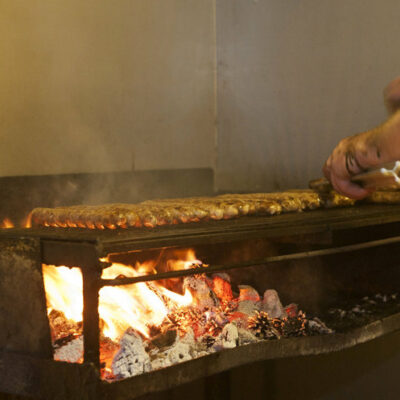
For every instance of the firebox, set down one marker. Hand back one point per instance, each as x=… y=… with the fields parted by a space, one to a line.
x=320 y=272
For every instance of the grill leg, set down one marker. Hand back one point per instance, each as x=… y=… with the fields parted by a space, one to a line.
x=91 y=330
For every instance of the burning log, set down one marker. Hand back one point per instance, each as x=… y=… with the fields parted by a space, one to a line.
x=132 y=358
x=183 y=349
x=70 y=352
x=62 y=329
x=201 y=288
x=222 y=287
x=164 y=339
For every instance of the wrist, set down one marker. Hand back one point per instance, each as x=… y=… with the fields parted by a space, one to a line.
x=386 y=139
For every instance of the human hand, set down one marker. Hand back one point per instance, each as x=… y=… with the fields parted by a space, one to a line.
x=352 y=155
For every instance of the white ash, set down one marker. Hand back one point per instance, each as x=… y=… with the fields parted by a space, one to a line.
x=71 y=352
x=220 y=319
x=201 y=291
x=317 y=326
x=272 y=305
x=179 y=352
x=249 y=300
x=183 y=349
x=248 y=307
x=228 y=338
x=189 y=338
x=246 y=337
x=131 y=358
x=366 y=306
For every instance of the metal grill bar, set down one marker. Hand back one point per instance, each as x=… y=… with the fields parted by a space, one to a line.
x=267 y=260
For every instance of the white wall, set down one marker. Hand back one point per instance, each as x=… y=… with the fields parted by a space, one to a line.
x=98 y=85
x=101 y=86
x=293 y=78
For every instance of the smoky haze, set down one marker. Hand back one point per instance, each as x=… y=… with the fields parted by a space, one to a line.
x=94 y=94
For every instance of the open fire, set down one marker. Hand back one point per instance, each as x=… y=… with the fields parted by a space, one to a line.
x=8 y=224
x=151 y=325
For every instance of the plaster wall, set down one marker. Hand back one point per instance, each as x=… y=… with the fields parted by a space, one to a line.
x=294 y=77
x=99 y=86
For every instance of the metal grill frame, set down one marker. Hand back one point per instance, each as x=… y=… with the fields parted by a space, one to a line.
x=84 y=248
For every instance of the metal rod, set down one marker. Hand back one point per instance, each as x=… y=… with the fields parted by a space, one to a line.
x=267 y=260
x=91 y=333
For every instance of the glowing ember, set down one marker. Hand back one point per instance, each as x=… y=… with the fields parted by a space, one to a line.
x=26 y=223
x=7 y=223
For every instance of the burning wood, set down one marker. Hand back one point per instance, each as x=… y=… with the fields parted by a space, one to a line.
x=145 y=326
x=132 y=358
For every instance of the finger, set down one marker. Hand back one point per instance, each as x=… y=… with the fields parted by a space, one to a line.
x=348 y=188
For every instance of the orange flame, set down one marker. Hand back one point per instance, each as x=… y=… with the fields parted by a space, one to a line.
x=27 y=221
x=7 y=223
x=120 y=307
x=186 y=260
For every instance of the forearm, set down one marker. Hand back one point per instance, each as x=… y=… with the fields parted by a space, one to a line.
x=368 y=149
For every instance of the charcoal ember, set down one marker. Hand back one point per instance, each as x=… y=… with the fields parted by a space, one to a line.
x=71 y=352
x=189 y=338
x=183 y=349
x=316 y=326
x=154 y=330
x=248 y=293
x=215 y=320
x=246 y=337
x=222 y=287
x=249 y=300
x=185 y=319
x=179 y=352
x=64 y=340
x=132 y=358
x=240 y=319
x=272 y=304
x=164 y=339
x=201 y=290
x=63 y=328
x=228 y=339
x=208 y=341
x=248 y=307
x=108 y=349
x=292 y=310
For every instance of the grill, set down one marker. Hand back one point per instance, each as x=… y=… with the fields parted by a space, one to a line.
x=341 y=246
